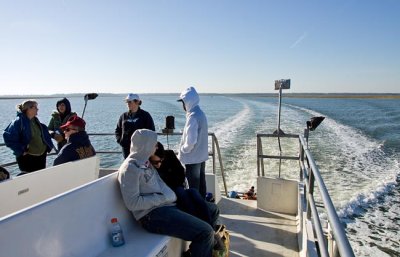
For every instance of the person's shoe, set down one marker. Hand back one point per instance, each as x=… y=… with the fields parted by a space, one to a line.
x=218 y=243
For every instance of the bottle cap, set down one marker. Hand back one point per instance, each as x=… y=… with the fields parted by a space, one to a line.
x=113 y=220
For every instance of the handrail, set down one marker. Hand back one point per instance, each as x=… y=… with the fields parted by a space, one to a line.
x=337 y=228
x=214 y=150
x=310 y=175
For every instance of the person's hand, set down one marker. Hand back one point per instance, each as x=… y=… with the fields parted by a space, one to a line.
x=59 y=138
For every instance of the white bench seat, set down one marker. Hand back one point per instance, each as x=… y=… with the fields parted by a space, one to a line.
x=77 y=223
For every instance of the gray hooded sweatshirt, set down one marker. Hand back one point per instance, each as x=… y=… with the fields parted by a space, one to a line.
x=194 y=143
x=142 y=188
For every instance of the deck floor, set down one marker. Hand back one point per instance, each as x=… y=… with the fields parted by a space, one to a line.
x=257 y=233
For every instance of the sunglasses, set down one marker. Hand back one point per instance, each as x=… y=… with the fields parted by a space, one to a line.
x=68 y=129
x=133 y=101
x=156 y=162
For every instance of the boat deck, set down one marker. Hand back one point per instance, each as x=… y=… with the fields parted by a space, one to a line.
x=258 y=233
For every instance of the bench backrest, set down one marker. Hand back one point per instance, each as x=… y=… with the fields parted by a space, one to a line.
x=27 y=190
x=75 y=223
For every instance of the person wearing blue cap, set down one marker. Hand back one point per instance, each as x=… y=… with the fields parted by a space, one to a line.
x=135 y=118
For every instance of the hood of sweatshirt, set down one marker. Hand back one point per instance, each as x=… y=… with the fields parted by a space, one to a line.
x=143 y=145
x=67 y=105
x=190 y=97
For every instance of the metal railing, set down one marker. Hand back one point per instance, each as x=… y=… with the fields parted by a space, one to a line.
x=311 y=177
x=215 y=152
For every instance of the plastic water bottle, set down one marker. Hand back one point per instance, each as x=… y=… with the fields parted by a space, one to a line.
x=117 y=237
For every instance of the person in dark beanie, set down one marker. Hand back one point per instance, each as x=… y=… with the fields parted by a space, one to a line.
x=28 y=138
x=78 y=145
x=135 y=118
x=60 y=117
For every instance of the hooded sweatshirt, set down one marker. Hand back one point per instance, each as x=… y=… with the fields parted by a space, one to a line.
x=58 y=119
x=194 y=143
x=142 y=188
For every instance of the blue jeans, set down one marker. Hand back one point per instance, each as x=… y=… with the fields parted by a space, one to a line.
x=196 y=176
x=190 y=201
x=171 y=221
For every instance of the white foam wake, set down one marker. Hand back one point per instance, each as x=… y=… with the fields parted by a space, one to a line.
x=365 y=170
x=227 y=129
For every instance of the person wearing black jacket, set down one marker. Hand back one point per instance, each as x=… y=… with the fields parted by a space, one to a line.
x=135 y=118
x=78 y=145
x=172 y=173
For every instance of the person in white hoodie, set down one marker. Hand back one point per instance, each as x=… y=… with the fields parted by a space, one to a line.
x=152 y=202
x=193 y=149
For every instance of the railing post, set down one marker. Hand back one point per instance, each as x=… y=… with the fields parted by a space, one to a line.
x=213 y=153
x=310 y=191
x=301 y=159
x=258 y=155
x=220 y=161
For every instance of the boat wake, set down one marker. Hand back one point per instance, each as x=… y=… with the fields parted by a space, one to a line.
x=363 y=181
x=228 y=129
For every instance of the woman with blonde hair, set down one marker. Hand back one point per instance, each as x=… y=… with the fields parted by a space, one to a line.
x=28 y=138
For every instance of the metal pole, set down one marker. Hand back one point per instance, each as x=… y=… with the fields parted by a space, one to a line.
x=279 y=111
x=279 y=129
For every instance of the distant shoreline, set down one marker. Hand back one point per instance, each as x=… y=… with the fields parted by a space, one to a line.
x=379 y=96
x=289 y=95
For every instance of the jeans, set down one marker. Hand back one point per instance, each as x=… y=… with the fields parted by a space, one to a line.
x=196 y=176
x=190 y=201
x=171 y=221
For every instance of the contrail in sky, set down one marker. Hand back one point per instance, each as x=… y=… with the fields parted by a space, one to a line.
x=299 y=40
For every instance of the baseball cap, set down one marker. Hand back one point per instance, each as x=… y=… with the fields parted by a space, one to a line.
x=74 y=121
x=131 y=97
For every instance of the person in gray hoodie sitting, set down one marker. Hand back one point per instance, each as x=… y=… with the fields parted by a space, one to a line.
x=153 y=203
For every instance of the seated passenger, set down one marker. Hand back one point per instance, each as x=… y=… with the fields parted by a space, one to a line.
x=152 y=202
x=172 y=172
x=78 y=144
x=4 y=174
x=251 y=194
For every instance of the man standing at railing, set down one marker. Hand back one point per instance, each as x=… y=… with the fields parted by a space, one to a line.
x=193 y=149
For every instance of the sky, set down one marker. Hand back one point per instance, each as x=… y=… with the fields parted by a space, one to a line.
x=217 y=46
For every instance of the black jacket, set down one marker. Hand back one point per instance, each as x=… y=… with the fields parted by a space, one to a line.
x=171 y=170
x=128 y=123
x=78 y=147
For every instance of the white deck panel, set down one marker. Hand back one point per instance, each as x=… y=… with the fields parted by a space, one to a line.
x=258 y=233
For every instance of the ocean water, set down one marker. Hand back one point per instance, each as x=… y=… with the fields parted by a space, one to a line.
x=357 y=148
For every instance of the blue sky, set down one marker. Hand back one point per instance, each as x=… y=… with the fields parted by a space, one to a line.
x=218 y=46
